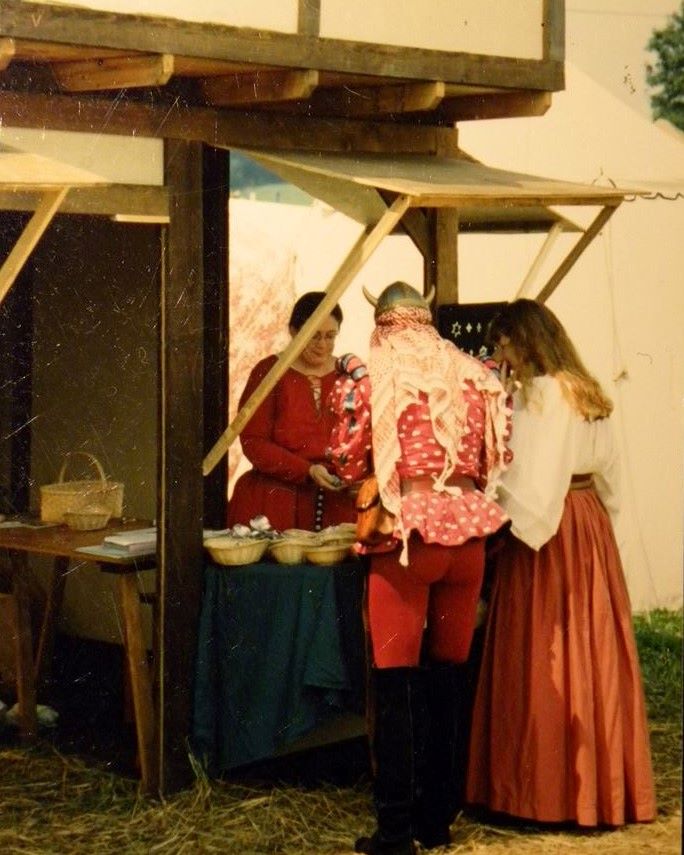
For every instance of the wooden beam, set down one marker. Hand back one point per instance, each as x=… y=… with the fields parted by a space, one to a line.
x=180 y=483
x=198 y=66
x=309 y=17
x=378 y=101
x=599 y=222
x=33 y=232
x=514 y=200
x=31 y=50
x=117 y=73
x=7 y=52
x=150 y=34
x=259 y=87
x=553 y=22
x=126 y=199
x=503 y=105
x=218 y=128
x=356 y=258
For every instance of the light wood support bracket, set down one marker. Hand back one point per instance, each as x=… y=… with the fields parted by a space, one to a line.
x=356 y=258
x=549 y=241
x=260 y=87
x=599 y=222
x=41 y=219
x=114 y=73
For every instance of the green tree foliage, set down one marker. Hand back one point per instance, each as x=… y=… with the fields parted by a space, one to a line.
x=667 y=74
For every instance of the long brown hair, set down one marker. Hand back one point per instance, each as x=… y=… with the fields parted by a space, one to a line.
x=544 y=347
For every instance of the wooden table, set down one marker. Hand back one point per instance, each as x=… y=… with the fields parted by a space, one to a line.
x=62 y=543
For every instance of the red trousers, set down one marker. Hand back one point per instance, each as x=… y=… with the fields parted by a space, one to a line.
x=438 y=592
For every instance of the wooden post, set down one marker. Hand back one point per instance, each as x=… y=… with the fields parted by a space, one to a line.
x=215 y=197
x=23 y=647
x=180 y=483
x=444 y=263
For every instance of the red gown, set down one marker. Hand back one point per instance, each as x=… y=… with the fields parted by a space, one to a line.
x=284 y=437
x=559 y=728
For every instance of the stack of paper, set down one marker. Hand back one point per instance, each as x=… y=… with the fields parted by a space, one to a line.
x=139 y=541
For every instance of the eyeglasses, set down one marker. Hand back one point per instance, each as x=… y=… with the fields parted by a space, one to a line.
x=328 y=337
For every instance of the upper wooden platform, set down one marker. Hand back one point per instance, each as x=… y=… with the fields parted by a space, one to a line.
x=143 y=75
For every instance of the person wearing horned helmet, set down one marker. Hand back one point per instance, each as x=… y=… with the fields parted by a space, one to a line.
x=432 y=423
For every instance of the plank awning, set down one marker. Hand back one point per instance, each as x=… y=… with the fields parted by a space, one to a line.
x=377 y=190
x=487 y=199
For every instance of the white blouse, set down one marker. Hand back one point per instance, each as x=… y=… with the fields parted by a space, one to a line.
x=551 y=442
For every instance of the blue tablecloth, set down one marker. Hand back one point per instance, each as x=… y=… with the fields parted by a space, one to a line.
x=280 y=649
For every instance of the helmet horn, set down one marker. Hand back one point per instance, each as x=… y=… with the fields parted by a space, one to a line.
x=371 y=299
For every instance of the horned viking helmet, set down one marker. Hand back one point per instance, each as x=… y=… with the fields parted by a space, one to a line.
x=398 y=294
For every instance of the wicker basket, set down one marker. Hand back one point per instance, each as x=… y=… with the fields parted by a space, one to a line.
x=328 y=553
x=68 y=496
x=89 y=519
x=289 y=550
x=236 y=550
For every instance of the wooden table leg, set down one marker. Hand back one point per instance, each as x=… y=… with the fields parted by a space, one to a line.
x=53 y=604
x=23 y=646
x=141 y=684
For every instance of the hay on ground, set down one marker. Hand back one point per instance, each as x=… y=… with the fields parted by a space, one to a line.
x=52 y=803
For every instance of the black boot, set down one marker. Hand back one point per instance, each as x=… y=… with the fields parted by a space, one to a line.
x=443 y=772
x=397 y=722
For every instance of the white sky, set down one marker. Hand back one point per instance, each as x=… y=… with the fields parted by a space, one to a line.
x=607 y=39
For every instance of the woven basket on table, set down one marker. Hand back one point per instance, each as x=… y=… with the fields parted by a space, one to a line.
x=73 y=496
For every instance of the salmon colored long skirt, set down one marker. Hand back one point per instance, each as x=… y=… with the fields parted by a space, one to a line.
x=559 y=725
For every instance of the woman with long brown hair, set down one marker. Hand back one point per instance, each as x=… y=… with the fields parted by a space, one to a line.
x=559 y=726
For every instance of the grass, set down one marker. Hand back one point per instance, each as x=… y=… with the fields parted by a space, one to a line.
x=659 y=639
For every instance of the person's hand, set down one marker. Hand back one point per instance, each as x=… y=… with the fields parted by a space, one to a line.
x=507 y=378
x=322 y=478
x=351 y=365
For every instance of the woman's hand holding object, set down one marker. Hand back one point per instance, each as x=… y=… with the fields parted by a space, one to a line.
x=320 y=476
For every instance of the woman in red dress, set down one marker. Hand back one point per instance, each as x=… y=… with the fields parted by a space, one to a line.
x=286 y=438
x=559 y=727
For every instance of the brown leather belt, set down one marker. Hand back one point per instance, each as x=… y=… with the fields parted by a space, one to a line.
x=426 y=483
x=582 y=482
